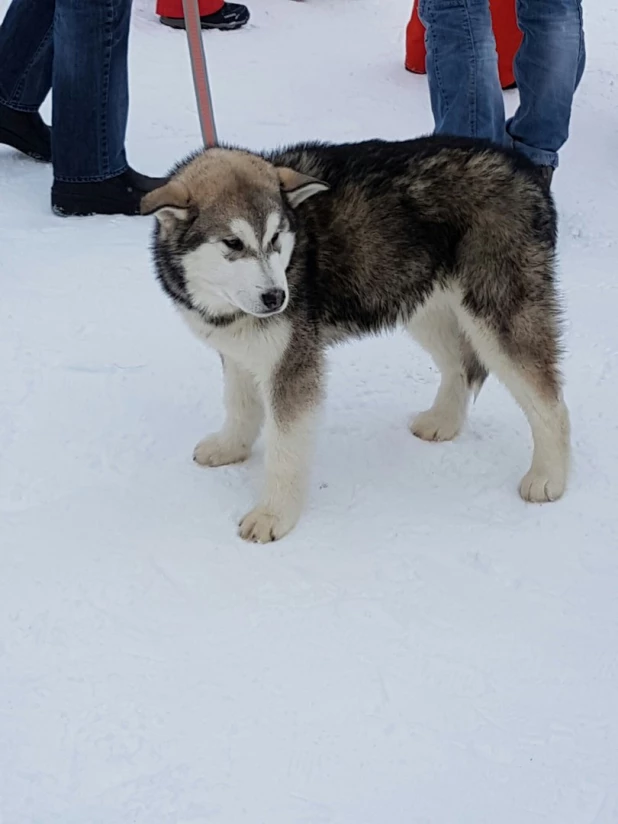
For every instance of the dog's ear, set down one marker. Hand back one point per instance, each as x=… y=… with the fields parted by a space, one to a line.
x=298 y=187
x=169 y=204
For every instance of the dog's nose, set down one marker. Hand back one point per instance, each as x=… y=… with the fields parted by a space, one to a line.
x=273 y=299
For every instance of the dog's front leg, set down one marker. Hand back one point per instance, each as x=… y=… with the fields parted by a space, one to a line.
x=243 y=420
x=291 y=403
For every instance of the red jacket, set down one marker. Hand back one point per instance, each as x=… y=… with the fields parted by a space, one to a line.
x=173 y=8
x=508 y=37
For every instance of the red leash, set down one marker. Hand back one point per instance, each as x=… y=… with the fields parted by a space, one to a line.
x=200 y=72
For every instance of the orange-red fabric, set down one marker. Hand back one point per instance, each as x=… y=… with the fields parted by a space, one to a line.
x=173 y=8
x=508 y=38
x=415 y=43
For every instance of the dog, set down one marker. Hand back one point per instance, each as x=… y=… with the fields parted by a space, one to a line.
x=273 y=257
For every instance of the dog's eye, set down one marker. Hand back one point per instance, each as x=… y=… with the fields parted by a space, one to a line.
x=234 y=244
x=275 y=239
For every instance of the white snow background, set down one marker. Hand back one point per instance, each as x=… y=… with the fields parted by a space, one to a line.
x=424 y=648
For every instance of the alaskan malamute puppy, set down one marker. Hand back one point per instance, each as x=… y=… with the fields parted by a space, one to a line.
x=271 y=258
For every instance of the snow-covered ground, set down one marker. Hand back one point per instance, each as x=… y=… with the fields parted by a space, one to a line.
x=424 y=648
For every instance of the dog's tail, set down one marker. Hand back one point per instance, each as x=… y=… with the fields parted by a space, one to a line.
x=475 y=372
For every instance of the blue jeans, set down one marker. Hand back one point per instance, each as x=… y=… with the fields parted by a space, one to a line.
x=77 y=48
x=462 y=68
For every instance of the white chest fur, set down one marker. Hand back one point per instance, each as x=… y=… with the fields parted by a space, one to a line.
x=258 y=347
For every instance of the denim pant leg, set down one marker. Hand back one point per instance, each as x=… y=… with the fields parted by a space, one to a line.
x=26 y=54
x=462 y=69
x=90 y=89
x=548 y=68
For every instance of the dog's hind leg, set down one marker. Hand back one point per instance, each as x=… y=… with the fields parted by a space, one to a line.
x=436 y=328
x=244 y=416
x=524 y=356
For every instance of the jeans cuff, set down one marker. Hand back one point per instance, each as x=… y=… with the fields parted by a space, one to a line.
x=540 y=157
x=90 y=178
x=24 y=109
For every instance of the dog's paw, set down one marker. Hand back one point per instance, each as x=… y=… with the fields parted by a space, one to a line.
x=261 y=526
x=216 y=451
x=540 y=487
x=433 y=426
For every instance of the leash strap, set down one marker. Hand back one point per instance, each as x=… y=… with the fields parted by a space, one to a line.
x=200 y=72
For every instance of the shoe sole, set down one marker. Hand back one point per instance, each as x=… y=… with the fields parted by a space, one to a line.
x=84 y=209
x=179 y=23
x=60 y=212
x=15 y=141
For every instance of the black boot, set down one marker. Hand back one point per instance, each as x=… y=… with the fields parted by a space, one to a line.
x=26 y=132
x=120 y=195
x=230 y=16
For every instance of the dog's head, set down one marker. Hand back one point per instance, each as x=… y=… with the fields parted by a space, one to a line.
x=225 y=232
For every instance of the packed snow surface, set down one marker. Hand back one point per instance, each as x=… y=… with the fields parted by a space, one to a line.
x=424 y=648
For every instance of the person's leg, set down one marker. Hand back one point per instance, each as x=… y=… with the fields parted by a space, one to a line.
x=548 y=68
x=90 y=110
x=91 y=89
x=26 y=54
x=462 y=69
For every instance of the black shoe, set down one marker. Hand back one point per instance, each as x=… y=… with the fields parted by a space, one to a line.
x=230 y=16
x=119 y=195
x=26 y=132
